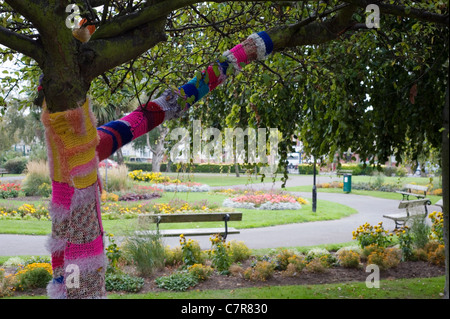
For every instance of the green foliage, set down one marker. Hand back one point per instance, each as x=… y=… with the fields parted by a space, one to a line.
x=220 y=257
x=123 y=282
x=16 y=165
x=178 y=281
x=238 y=251
x=192 y=253
x=146 y=251
x=36 y=179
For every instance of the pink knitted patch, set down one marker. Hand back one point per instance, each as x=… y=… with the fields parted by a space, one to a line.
x=62 y=194
x=240 y=54
x=57 y=260
x=137 y=122
x=213 y=78
x=93 y=248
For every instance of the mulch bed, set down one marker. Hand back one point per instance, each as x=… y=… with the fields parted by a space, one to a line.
x=409 y=269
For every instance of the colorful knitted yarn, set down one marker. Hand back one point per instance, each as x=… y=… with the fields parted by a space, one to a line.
x=71 y=143
x=76 y=242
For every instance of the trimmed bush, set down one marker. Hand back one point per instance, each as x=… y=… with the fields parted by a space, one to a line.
x=16 y=165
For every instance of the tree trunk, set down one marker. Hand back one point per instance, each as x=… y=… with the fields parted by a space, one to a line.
x=445 y=163
x=76 y=242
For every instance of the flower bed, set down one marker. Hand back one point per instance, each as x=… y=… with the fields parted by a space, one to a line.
x=183 y=187
x=25 y=211
x=265 y=201
x=141 y=176
x=9 y=190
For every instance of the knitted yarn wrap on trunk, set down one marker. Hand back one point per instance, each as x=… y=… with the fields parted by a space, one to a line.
x=75 y=146
x=76 y=242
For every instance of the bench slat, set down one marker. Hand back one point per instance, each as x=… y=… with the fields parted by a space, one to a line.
x=183 y=218
x=191 y=232
x=414 y=203
x=416 y=187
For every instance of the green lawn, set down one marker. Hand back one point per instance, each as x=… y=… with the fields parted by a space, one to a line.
x=416 y=288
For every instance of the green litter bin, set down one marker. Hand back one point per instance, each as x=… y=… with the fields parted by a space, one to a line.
x=347 y=183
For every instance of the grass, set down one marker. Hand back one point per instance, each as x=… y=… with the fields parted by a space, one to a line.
x=251 y=218
x=416 y=288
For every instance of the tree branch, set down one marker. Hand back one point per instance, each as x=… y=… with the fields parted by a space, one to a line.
x=98 y=56
x=306 y=32
x=404 y=11
x=34 y=11
x=21 y=43
x=125 y=23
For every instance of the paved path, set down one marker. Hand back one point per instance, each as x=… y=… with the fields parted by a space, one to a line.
x=370 y=209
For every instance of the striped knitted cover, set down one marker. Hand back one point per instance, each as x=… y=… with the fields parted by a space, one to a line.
x=117 y=133
x=75 y=146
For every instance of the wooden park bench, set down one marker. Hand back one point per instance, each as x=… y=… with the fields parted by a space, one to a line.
x=194 y=217
x=3 y=171
x=409 y=188
x=411 y=208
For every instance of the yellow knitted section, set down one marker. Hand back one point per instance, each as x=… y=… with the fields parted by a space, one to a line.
x=72 y=138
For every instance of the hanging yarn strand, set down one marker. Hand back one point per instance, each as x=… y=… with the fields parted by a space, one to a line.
x=166 y=107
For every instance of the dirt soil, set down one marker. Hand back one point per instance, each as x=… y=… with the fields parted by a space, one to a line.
x=417 y=269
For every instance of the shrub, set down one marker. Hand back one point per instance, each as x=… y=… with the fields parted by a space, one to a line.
x=146 y=251
x=420 y=232
x=201 y=272
x=173 y=256
x=437 y=256
x=117 y=179
x=349 y=259
x=37 y=174
x=191 y=251
x=297 y=261
x=316 y=253
x=35 y=275
x=220 y=259
x=437 y=227
x=262 y=271
x=385 y=258
x=238 y=251
x=5 y=283
x=236 y=270
x=16 y=165
x=368 y=235
x=123 y=282
x=282 y=259
x=179 y=281
x=317 y=265
x=406 y=242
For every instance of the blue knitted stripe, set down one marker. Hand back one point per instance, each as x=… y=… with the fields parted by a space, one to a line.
x=267 y=41
x=123 y=129
x=190 y=89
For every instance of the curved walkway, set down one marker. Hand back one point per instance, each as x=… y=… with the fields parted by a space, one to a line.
x=370 y=209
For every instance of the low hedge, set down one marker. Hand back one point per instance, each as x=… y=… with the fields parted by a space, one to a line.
x=194 y=168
